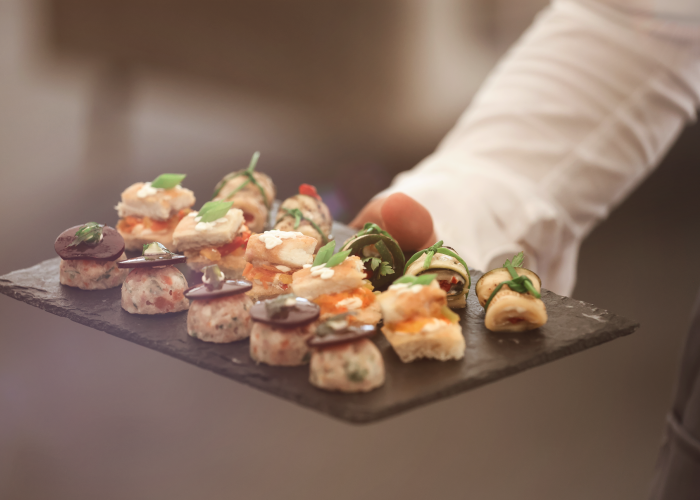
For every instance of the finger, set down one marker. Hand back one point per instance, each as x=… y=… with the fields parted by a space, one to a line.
x=407 y=221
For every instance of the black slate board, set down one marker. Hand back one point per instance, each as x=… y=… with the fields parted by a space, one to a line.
x=573 y=326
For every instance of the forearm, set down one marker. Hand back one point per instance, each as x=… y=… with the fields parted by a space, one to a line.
x=571 y=120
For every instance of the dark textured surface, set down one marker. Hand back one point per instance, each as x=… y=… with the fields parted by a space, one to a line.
x=572 y=327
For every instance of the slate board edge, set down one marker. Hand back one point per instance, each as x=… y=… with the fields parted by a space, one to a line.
x=336 y=407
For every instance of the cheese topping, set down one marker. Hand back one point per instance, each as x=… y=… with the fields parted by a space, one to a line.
x=284 y=269
x=274 y=238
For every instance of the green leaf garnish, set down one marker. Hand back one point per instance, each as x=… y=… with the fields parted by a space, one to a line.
x=337 y=258
x=213 y=277
x=168 y=181
x=277 y=308
x=385 y=269
x=90 y=234
x=324 y=253
x=155 y=249
x=423 y=279
x=518 y=260
x=214 y=210
x=298 y=217
x=519 y=284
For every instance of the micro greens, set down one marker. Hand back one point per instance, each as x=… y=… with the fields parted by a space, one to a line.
x=156 y=249
x=278 y=308
x=90 y=234
x=423 y=279
x=298 y=217
x=519 y=284
x=214 y=210
x=167 y=181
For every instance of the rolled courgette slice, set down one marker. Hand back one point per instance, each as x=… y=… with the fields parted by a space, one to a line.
x=452 y=272
x=491 y=279
x=381 y=254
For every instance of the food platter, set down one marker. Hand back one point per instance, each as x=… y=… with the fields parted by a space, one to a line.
x=573 y=326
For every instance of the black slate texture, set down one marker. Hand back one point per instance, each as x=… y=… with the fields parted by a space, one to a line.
x=573 y=326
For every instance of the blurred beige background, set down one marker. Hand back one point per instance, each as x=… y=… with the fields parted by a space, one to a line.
x=95 y=95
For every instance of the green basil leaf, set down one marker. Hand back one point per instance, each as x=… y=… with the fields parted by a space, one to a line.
x=167 y=181
x=337 y=258
x=213 y=210
x=324 y=253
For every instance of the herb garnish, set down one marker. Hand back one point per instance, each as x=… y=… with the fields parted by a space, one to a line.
x=375 y=262
x=213 y=277
x=520 y=284
x=298 y=217
x=430 y=252
x=278 y=308
x=168 y=181
x=90 y=234
x=325 y=256
x=155 y=249
x=213 y=210
x=248 y=172
x=423 y=279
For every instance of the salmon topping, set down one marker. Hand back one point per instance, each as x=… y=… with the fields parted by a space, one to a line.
x=128 y=223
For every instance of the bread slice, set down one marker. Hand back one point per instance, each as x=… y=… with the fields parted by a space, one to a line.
x=440 y=341
x=191 y=234
x=284 y=248
x=402 y=302
x=348 y=275
x=140 y=201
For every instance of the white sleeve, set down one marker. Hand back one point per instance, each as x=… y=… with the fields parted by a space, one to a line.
x=570 y=121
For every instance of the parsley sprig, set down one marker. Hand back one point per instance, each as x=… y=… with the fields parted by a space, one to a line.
x=248 y=172
x=390 y=259
x=520 y=284
x=299 y=216
x=90 y=233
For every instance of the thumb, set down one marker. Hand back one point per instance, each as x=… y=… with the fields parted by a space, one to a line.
x=407 y=221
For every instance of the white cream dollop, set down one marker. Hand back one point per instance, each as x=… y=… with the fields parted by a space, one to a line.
x=284 y=269
x=306 y=266
x=147 y=190
x=322 y=272
x=274 y=238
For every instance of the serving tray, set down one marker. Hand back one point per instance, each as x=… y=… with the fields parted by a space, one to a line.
x=573 y=326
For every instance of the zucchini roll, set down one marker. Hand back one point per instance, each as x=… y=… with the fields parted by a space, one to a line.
x=380 y=254
x=452 y=273
x=511 y=297
x=251 y=191
x=306 y=213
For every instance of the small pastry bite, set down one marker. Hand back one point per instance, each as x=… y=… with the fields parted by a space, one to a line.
x=305 y=212
x=149 y=211
x=280 y=330
x=380 y=253
x=273 y=257
x=343 y=358
x=511 y=297
x=452 y=273
x=251 y=191
x=154 y=285
x=220 y=309
x=337 y=283
x=214 y=235
x=89 y=256
x=417 y=321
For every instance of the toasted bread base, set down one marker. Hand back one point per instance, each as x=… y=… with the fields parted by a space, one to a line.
x=444 y=343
